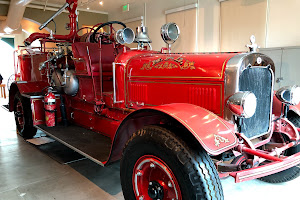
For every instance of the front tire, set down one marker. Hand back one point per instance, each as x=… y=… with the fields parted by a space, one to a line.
x=23 y=117
x=288 y=174
x=156 y=164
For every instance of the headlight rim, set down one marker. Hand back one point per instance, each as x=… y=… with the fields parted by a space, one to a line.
x=238 y=104
x=165 y=34
x=292 y=90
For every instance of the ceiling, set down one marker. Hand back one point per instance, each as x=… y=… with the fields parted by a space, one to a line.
x=108 y=5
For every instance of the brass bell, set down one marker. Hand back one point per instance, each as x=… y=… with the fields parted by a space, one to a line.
x=141 y=35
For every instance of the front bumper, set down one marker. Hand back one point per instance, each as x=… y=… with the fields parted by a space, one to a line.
x=267 y=169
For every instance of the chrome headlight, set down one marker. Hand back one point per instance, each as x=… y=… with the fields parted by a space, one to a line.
x=125 y=35
x=242 y=104
x=289 y=94
x=170 y=32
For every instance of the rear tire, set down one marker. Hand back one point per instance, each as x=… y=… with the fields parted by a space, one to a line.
x=190 y=173
x=23 y=117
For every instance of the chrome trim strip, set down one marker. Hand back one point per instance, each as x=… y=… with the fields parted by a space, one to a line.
x=36 y=96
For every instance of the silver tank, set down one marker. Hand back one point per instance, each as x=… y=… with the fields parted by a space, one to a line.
x=58 y=80
x=72 y=85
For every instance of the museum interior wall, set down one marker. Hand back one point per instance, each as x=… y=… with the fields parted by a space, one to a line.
x=211 y=25
x=273 y=22
x=39 y=16
x=85 y=18
x=205 y=26
x=187 y=42
x=239 y=20
x=283 y=27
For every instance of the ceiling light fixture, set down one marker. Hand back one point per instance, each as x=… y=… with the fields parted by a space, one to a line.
x=88 y=8
x=101 y=3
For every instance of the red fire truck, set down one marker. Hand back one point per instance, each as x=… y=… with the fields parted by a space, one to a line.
x=177 y=121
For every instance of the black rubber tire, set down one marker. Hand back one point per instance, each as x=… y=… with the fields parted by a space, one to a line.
x=286 y=175
x=294 y=118
x=194 y=170
x=28 y=131
x=294 y=172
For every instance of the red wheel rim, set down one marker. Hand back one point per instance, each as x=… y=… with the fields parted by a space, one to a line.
x=152 y=174
x=20 y=115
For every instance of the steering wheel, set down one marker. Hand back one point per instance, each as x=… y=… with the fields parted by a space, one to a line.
x=105 y=37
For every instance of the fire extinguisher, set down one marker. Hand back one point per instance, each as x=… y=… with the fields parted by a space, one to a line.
x=50 y=108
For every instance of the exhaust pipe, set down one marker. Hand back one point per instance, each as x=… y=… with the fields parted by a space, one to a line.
x=53 y=16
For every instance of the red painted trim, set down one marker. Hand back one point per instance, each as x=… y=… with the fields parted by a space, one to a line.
x=31 y=87
x=267 y=169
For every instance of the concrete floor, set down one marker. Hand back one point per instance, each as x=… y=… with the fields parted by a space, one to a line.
x=27 y=173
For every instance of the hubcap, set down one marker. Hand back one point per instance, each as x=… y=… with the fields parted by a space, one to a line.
x=155 y=190
x=153 y=180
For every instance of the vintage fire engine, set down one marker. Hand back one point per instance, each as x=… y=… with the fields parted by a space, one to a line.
x=177 y=122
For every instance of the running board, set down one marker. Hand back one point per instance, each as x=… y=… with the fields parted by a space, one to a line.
x=5 y=107
x=92 y=145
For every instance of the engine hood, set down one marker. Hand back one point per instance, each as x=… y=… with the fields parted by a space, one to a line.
x=210 y=66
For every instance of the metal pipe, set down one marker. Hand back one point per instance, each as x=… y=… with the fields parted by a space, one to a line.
x=55 y=15
x=72 y=35
x=260 y=154
x=101 y=72
x=278 y=151
x=114 y=83
x=93 y=79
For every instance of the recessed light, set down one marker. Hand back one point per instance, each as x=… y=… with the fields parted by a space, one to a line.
x=101 y=3
x=88 y=8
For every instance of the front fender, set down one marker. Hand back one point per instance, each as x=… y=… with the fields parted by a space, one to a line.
x=212 y=132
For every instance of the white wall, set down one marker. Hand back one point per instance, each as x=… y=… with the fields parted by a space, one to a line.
x=275 y=23
x=239 y=20
x=287 y=65
x=283 y=27
x=207 y=20
x=186 y=20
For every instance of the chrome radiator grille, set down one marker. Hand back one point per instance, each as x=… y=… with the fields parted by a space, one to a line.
x=259 y=81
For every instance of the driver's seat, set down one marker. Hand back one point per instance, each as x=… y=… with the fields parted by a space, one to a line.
x=107 y=57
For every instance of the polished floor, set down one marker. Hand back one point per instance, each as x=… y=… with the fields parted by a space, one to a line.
x=27 y=173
